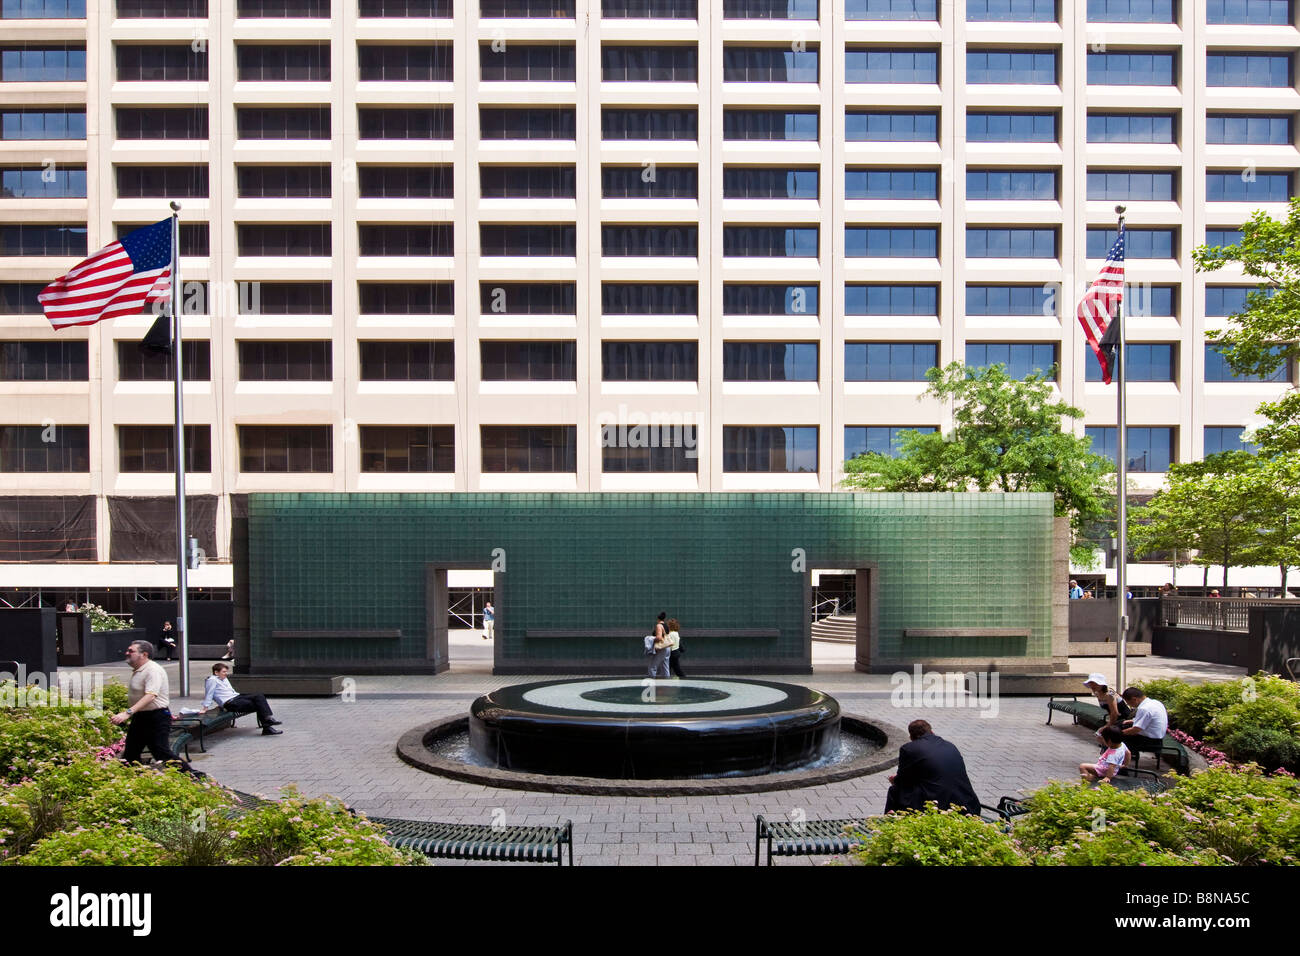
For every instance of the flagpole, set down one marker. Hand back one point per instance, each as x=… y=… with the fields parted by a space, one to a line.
x=1121 y=497
x=182 y=558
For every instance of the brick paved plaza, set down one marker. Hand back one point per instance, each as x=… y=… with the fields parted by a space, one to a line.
x=347 y=749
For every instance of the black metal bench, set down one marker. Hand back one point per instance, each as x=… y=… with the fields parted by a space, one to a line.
x=1171 y=751
x=197 y=725
x=1089 y=715
x=1130 y=778
x=467 y=841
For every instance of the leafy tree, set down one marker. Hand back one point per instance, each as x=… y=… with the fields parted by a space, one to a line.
x=1007 y=436
x=1274 y=488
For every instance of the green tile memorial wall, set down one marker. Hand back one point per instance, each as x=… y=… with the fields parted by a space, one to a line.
x=347 y=583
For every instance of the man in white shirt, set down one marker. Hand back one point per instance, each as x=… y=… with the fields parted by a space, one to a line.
x=148 y=697
x=1145 y=732
x=218 y=694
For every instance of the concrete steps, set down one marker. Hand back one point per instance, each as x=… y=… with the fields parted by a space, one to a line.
x=836 y=629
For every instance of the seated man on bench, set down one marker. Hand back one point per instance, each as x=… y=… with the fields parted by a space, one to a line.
x=1145 y=733
x=217 y=692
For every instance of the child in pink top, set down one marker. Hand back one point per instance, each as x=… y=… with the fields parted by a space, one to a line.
x=1111 y=760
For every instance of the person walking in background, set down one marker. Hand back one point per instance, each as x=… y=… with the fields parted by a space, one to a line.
x=658 y=666
x=489 y=621
x=674 y=649
x=1076 y=592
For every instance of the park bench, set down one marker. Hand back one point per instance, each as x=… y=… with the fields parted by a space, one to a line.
x=1089 y=715
x=468 y=841
x=827 y=837
x=197 y=725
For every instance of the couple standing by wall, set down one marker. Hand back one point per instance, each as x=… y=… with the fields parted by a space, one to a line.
x=667 y=648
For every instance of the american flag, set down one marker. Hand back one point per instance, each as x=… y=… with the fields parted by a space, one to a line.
x=1100 y=304
x=117 y=280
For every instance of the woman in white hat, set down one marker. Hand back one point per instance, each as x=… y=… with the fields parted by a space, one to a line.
x=1117 y=709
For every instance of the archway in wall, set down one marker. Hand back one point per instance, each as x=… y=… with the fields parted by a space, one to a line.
x=456 y=605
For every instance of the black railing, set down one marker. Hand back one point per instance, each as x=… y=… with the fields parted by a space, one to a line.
x=1214 y=614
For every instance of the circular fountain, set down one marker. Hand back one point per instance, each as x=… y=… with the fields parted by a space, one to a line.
x=638 y=736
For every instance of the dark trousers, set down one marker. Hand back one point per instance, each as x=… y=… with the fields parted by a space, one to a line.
x=150 y=728
x=1138 y=744
x=249 y=703
x=675 y=664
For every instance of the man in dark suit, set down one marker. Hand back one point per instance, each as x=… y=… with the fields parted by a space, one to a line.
x=930 y=768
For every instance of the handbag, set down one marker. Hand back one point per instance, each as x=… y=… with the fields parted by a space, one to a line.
x=649 y=645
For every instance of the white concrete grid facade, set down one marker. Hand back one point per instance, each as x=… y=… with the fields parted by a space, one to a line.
x=225 y=403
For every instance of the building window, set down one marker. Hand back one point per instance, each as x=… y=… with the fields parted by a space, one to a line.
x=555 y=123
x=558 y=240
x=304 y=122
x=1131 y=69
x=432 y=361
x=406 y=449
x=406 y=298
x=649 y=298
x=878 y=439
x=1011 y=127
x=776 y=242
x=649 y=182
x=1218 y=370
x=433 y=123
x=528 y=182
x=162 y=9
x=528 y=298
x=891 y=66
x=44 y=361
x=530 y=448
x=1270 y=70
x=889 y=242
x=308 y=63
x=1236 y=186
x=649 y=361
x=39 y=239
x=648 y=9
x=1010 y=300
x=286 y=448
x=20 y=124
x=286 y=298
x=648 y=124
x=1131 y=11
x=738 y=299
x=1247 y=130
x=891 y=183
x=304 y=181
x=1150 y=300
x=768 y=125
x=1222 y=237
x=1250 y=12
x=873 y=126
x=285 y=361
x=635 y=239
x=1125 y=185
x=152 y=448
x=889 y=361
x=762 y=448
x=405 y=9
x=1138 y=243
x=891 y=10
x=135 y=364
x=1226 y=300
x=1221 y=438
x=19 y=298
x=180 y=122
x=406 y=239
x=526 y=9
x=43 y=182
x=162 y=182
x=1148 y=449
x=768 y=182
x=273 y=239
x=519 y=63
x=1011 y=243
x=1004 y=184
x=1142 y=363
x=762 y=64
x=1020 y=11
x=769 y=9
x=44 y=448
x=42 y=64
x=427 y=63
x=1130 y=128
x=891 y=300
x=1029 y=67
x=1018 y=359
x=171 y=64
x=769 y=361
x=284 y=9
x=648 y=64
x=529 y=361
x=659 y=448
x=43 y=10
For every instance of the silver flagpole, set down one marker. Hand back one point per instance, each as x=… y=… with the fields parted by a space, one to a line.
x=182 y=557
x=1121 y=495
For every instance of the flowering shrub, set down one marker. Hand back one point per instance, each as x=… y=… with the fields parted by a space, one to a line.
x=137 y=794
x=300 y=832
x=1212 y=756
x=1241 y=813
x=94 y=846
x=1059 y=812
x=1121 y=846
x=935 y=837
x=101 y=620
x=33 y=737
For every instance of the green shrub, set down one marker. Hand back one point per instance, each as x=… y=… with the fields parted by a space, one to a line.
x=1271 y=749
x=35 y=736
x=935 y=837
x=101 y=620
x=1241 y=813
x=1266 y=713
x=96 y=846
x=1059 y=811
x=1270 y=685
x=322 y=832
x=1168 y=690
x=115 y=697
x=1202 y=703
x=140 y=796
x=1120 y=846
x=202 y=839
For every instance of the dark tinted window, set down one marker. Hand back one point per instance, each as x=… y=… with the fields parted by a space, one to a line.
x=407 y=361
x=760 y=448
x=162 y=182
x=651 y=181
x=405 y=64
x=649 y=361
x=180 y=122
x=304 y=181
x=303 y=122
x=406 y=298
x=528 y=298
x=769 y=361
x=286 y=448
x=527 y=240
x=530 y=448
x=404 y=182
x=152 y=448
x=648 y=124
x=154 y=63
x=527 y=182
x=529 y=361
x=539 y=123
x=267 y=64
x=60 y=361
x=403 y=449
x=422 y=123
x=406 y=239
x=135 y=364
x=44 y=448
x=273 y=239
x=649 y=298
x=520 y=63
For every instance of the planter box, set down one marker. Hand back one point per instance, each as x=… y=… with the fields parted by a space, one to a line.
x=109 y=647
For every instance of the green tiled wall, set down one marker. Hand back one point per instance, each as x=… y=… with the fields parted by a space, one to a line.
x=595 y=561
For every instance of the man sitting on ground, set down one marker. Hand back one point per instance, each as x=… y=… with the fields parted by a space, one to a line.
x=930 y=769
x=1146 y=731
x=217 y=693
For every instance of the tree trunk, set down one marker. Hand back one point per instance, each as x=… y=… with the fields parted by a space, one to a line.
x=1284 y=569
